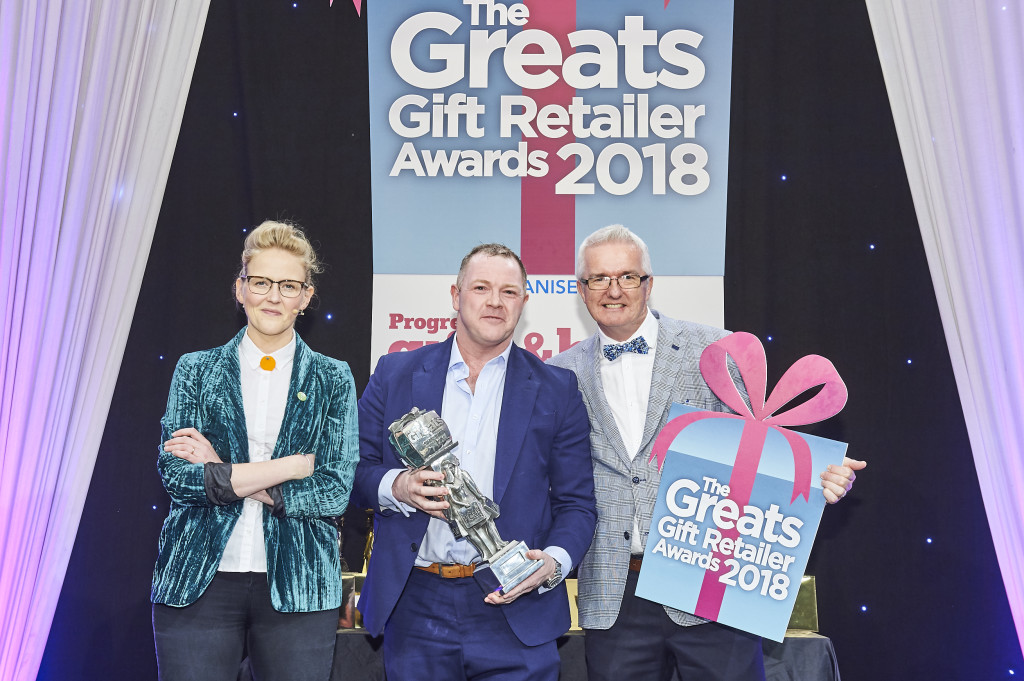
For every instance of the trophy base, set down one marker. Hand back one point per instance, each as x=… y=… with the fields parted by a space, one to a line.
x=506 y=569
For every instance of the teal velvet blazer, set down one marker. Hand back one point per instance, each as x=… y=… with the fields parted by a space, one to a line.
x=303 y=566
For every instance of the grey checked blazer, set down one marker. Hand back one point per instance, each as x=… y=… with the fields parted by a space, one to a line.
x=622 y=485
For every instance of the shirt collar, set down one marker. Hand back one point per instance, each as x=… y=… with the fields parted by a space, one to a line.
x=455 y=361
x=648 y=329
x=250 y=355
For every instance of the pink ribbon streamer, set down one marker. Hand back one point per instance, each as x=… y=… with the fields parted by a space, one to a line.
x=748 y=354
x=357 y=3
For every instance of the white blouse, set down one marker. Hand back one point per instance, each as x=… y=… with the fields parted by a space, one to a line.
x=264 y=395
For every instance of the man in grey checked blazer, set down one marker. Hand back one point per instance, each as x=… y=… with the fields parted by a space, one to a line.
x=637 y=357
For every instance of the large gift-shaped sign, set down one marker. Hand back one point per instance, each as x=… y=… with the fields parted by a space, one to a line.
x=740 y=499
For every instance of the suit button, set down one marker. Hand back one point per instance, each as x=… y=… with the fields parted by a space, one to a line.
x=636 y=480
x=626 y=535
x=414 y=548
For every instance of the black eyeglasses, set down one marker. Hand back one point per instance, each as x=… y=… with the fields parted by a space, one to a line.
x=289 y=288
x=626 y=281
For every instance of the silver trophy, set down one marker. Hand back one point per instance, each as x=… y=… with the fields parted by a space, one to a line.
x=423 y=440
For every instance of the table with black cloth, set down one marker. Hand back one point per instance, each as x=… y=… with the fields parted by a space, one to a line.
x=803 y=656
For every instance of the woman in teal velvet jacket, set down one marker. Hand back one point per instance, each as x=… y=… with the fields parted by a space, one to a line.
x=259 y=434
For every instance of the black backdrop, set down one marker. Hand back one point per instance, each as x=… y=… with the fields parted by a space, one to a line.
x=277 y=126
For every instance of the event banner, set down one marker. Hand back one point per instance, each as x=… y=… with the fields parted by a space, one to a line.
x=740 y=499
x=532 y=124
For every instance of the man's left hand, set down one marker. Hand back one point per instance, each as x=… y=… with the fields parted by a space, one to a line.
x=836 y=481
x=542 y=575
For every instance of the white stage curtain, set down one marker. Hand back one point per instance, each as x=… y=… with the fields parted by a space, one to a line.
x=92 y=94
x=955 y=76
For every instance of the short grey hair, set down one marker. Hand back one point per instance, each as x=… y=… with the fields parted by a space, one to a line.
x=614 y=234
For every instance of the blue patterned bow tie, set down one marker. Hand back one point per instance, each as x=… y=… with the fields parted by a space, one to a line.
x=637 y=345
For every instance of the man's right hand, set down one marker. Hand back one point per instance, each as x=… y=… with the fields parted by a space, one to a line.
x=410 y=488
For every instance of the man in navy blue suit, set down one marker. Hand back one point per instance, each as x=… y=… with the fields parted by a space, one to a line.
x=524 y=437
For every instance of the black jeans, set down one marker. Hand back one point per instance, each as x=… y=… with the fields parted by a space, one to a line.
x=644 y=643
x=206 y=641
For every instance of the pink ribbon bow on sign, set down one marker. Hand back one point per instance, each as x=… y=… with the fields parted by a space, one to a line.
x=748 y=354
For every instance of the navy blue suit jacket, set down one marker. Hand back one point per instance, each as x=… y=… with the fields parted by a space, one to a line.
x=543 y=477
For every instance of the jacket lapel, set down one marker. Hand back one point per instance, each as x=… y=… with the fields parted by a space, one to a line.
x=518 y=398
x=427 y=390
x=295 y=435
x=233 y=416
x=666 y=369
x=589 y=377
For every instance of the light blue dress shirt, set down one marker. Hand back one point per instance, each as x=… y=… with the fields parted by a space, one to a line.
x=472 y=416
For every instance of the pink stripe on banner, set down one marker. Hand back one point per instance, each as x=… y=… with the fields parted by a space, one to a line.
x=741 y=485
x=548 y=229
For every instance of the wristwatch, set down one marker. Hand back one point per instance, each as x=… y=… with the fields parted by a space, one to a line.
x=555 y=578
